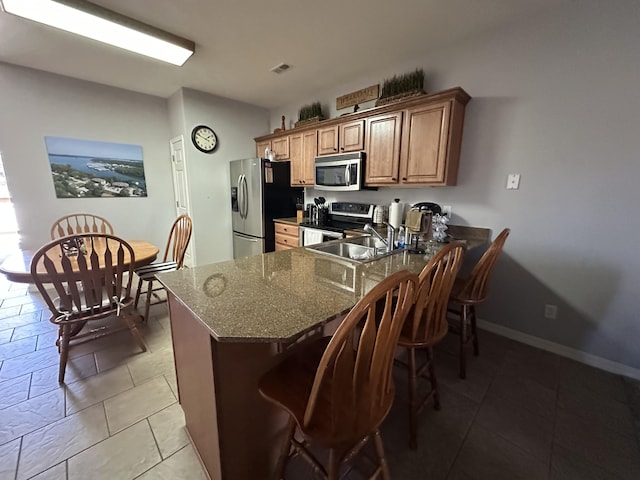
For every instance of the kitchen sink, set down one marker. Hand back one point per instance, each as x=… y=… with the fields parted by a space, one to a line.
x=357 y=249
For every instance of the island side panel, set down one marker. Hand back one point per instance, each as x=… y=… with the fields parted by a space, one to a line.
x=251 y=429
x=194 y=371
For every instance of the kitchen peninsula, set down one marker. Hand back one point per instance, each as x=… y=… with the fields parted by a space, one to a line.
x=233 y=321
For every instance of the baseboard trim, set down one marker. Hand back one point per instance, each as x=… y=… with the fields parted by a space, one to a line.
x=572 y=353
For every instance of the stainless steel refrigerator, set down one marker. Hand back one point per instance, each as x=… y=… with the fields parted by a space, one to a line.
x=260 y=192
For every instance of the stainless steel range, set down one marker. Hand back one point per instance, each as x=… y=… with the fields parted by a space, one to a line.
x=342 y=216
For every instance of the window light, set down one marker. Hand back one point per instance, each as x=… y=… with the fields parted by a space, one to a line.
x=98 y=23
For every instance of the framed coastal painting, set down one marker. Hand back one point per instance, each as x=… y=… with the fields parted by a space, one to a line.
x=89 y=168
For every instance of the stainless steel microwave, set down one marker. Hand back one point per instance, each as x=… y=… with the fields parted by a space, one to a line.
x=341 y=172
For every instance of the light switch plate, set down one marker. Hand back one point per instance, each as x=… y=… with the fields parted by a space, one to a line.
x=513 y=181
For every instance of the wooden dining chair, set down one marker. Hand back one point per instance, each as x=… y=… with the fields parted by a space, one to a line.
x=172 y=260
x=75 y=223
x=338 y=390
x=426 y=326
x=467 y=293
x=85 y=286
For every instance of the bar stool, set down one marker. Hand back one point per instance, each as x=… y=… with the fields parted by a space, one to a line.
x=469 y=292
x=427 y=325
x=338 y=390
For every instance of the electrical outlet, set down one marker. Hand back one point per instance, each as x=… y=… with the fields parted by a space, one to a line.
x=446 y=210
x=513 y=181
x=550 y=311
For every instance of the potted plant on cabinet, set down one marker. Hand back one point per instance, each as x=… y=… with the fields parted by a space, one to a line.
x=402 y=86
x=310 y=114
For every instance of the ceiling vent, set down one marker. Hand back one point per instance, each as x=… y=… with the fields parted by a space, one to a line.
x=280 y=68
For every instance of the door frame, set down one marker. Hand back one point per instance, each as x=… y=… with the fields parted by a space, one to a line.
x=190 y=255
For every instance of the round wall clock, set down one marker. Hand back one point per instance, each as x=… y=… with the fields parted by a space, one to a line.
x=204 y=139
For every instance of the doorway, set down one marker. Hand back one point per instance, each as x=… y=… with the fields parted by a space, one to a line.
x=9 y=237
x=181 y=191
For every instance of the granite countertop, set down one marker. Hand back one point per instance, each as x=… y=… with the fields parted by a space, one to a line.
x=278 y=296
x=290 y=220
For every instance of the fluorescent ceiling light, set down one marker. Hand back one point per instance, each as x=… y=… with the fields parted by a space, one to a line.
x=98 y=23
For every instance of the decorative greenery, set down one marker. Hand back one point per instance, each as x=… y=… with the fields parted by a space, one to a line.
x=310 y=111
x=409 y=82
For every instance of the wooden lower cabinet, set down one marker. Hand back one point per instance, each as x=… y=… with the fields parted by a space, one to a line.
x=286 y=236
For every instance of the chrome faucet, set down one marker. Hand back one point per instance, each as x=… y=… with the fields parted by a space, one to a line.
x=388 y=242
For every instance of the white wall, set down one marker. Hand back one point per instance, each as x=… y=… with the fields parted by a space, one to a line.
x=34 y=104
x=235 y=124
x=554 y=99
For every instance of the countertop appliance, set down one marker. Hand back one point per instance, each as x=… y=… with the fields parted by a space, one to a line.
x=260 y=192
x=340 y=173
x=342 y=216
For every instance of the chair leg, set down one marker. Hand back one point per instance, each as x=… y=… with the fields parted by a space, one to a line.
x=148 y=303
x=334 y=465
x=413 y=400
x=135 y=333
x=64 y=350
x=377 y=439
x=463 y=337
x=139 y=289
x=433 y=379
x=474 y=331
x=286 y=448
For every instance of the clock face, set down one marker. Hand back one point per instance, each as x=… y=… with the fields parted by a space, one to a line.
x=204 y=139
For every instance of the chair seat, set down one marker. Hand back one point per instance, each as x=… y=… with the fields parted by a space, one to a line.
x=434 y=338
x=289 y=385
x=149 y=271
x=104 y=308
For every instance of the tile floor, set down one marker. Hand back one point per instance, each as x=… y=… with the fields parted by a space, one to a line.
x=522 y=413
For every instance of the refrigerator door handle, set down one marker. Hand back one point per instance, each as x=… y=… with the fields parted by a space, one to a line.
x=240 y=195
x=245 y=194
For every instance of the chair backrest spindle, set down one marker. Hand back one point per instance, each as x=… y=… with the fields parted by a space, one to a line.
x=355 y=369
x=178 y=240
x=436 y=282
x=476 y=287
x=77 y=223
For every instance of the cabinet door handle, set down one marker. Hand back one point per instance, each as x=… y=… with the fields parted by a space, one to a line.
x=335 y=149
x=393 y=178
x=404 y=179
x=342 y=149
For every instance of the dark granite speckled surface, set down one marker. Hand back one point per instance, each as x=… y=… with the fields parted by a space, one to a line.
x=278 y=296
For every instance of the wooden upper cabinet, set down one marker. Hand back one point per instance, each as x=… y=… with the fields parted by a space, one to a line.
x=384 y=134
x=309 y=154
x=295 y=156
x=261 y=147
x=408 y=143
x=351 y=137
x=328 y=140
x=342 y=138
x=425 y=141
x=303 y=148
x=281 y=147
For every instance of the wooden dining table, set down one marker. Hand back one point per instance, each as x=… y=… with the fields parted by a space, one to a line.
x=17 y=266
